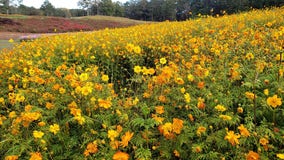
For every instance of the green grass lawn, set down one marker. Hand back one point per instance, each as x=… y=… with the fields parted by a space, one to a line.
x=5 y=44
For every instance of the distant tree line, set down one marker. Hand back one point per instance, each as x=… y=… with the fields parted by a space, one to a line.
x=148 y=10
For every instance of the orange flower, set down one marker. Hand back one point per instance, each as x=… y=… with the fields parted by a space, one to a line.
x=252 y=156
x=126 y=138
x=104 y=103
x=177 y=125
x=13 y=157
x=232 y=138
x=160 y=109
x=200 y=130
x=263 y=141
x=200 y=85
x=120 y=156
x=162 y=98
x=36 y=156
x=91 y=148
x=244 y=132
x=274 y=101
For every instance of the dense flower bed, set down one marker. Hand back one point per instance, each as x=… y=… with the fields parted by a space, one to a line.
x=210 y=88
x=55 y=24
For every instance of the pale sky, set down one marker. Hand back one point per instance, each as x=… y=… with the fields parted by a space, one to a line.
x=70 y=4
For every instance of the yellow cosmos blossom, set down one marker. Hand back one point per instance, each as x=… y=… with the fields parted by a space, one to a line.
x=200 y=130
x=274 y=101
x=12 y=114
x=250 y=95
x=126 y=138
x=112 y=134
x=249 y=56
x=38 y=134
x=105 y=78
x=2 y=100
x=81 y=120
x=190 y=77
x=137 y=69
x=280 y=155
x=225 y=117
x=266 y=92
x=187 y=97
x=220 y=108
x=54 y=128
x=84 y=77
x=163 y=60
x=232 y=138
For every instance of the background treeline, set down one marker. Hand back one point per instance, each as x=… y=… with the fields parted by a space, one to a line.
x=148 y=10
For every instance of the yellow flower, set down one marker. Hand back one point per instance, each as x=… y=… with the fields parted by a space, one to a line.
x=2 y=100
x=105 y=78
x=250 y=95
x=137 y=69
x=225 y=117
x=12 y=114
x=36 y=156
x=38 y=134
x=280 y=155
x=182 y=90
x=62 y=90
x=220 y=108
x=126 y=138
x=81 y=120
x=266 y=92
x=120 y=156
x=137 y=49
x=244 y=132
x=11 y=40
x=163 y=60
x=232 y=138
x=84 y=77
x=200 y=130
x=179 y=81
x=190 y=77
x=187 y=97
x=86 y=90
x=249 y=56
x=54 y=128
x=274 y=101
x=112 y=134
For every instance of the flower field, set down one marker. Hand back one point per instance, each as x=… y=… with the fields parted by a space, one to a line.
x=210 y=88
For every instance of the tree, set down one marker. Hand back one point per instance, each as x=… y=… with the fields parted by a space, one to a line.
x=106 y=7
x=92 y=6
x=47 y=8
x=6 y=4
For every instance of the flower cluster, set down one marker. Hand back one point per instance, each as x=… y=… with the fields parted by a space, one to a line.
x=207 y=88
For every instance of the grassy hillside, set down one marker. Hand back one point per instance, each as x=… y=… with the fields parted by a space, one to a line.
x=38 y=24
x=210 y=88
